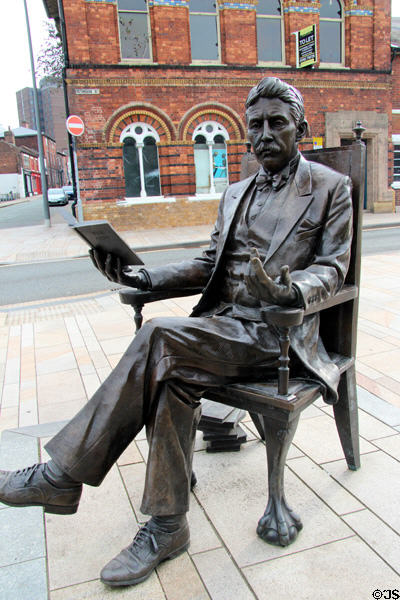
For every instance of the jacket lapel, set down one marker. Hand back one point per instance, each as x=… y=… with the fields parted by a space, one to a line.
x=299 y=196
x=231 y=205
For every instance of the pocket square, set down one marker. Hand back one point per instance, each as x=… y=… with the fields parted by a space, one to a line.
x=307 y=225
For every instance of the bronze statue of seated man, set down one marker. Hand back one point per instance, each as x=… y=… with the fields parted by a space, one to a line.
x=281 y=237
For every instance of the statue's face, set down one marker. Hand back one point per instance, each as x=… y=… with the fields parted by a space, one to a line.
x=272 y=132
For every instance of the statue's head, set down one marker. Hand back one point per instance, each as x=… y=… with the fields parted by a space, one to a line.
x=275 y=121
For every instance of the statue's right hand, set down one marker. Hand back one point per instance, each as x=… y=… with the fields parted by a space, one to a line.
x=110 y=266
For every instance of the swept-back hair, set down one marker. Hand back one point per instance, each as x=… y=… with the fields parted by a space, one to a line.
x=272 y=87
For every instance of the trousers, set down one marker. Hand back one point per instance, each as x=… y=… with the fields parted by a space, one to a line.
x=158 y=384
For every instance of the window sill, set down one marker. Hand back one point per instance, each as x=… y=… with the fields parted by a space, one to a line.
x=204 y=63
x=137 y=61
x=199 y=197
x=145 y=200
x=332 y=66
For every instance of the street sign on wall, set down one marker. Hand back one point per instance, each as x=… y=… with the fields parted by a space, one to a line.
x=75 y=125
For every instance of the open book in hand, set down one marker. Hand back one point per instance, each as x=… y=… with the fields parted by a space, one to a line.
x=101 y=236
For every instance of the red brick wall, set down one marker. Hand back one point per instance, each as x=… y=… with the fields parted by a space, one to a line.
x=238 y=37
x=359 y=33
x=9 y=159
x=171 y=35
x=169 y=96
x=102 y=30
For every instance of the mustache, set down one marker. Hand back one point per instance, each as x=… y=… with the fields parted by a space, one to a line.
x=261 y=146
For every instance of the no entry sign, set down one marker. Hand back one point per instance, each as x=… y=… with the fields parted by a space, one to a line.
x=75 y=125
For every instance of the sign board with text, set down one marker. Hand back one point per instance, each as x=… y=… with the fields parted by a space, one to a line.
x=306 y=46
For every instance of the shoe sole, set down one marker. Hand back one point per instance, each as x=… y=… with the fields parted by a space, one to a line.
x=48 y=508
x=136 y=580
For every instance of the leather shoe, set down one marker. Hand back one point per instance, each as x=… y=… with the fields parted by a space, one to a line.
x=29 y=487
x=149 y=548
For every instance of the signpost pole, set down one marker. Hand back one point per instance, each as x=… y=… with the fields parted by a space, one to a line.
x=78 y=191
x=76 y=127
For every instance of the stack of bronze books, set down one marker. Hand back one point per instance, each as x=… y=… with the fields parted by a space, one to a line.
x=220 y=427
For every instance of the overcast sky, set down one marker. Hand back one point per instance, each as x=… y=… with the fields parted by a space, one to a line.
x=15 y=71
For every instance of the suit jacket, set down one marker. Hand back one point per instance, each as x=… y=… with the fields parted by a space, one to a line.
x=312 y=236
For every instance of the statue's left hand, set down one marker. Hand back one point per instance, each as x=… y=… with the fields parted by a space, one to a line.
x=110 y=266
x=261 y=286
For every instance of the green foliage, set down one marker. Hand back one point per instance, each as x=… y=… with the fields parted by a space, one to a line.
x=50 y=61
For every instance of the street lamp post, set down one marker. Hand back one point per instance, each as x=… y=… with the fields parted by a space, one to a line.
x=38 y=130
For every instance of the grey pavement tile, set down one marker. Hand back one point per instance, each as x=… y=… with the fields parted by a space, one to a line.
x=376 y=484
x=180 y=579
x=322 y=484
x=41 y=430
x=24 y=581
x=372 y=428
x=221 y=577
x=22 y=535
x=80 y=545
x=96 y=590
x=233 y=493
x=133 y=477
x=381 y=538
x=391 y=445
x=318 y=439
x=202 y=534
x=17 y=450
x=346 y=569
x=130 y=455
x=375 y=406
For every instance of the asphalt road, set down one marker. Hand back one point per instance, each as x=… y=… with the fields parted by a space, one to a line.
x=29 y=213
x=74 y=277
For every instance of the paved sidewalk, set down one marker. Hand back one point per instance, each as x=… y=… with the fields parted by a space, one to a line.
x=54 y=356
x=38 y=242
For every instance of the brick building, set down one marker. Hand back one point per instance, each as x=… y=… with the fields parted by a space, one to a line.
x=19 y=169
x=161 y=85
x=51 y=110
x=56 y=163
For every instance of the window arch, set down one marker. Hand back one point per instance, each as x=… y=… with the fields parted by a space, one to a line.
x=210 y=157
x=203 y=18
x=140 y=154
x=331 y=32
x=269 y=31
x=134 y=33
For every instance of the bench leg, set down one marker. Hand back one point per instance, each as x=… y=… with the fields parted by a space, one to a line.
x=346 y=417
x=279 y=525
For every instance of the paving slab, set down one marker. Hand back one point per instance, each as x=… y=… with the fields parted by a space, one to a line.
x=238 y=484
x=381 y=538
x=376 y=484
x=24 y=581
x=221 y=577
x=346 y=569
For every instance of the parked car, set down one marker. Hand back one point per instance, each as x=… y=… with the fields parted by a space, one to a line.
x=69 y=192
x=57 y=197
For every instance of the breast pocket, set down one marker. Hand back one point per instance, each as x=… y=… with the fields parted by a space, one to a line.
x=307 y=229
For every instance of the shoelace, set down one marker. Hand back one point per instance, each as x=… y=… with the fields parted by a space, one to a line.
x=142 y=536
x=29 y=472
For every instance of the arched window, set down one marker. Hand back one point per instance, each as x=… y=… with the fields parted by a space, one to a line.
x=140 y=154
x=210 y=157
x=134 y=35
x=269 y=31
x=204 y=30
x=331 y=32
